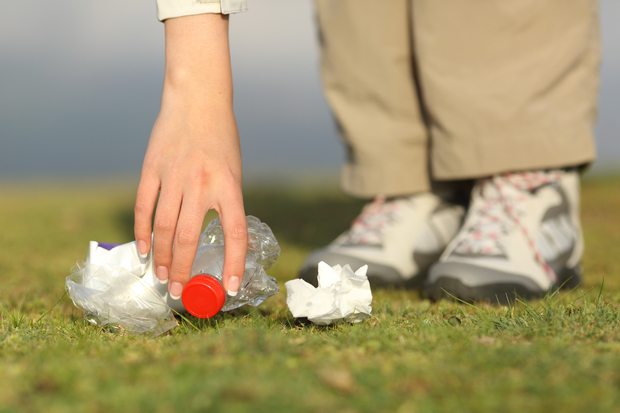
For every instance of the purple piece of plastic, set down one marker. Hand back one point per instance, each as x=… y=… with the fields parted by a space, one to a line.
x=107 y=245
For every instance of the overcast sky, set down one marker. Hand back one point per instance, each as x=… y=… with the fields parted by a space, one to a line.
x=80 y=84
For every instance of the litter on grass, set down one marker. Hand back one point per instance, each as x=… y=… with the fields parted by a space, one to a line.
x=341 y=295
x=115 y=286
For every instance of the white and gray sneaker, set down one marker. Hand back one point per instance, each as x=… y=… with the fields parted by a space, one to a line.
x=399 y=239
x=521 y=238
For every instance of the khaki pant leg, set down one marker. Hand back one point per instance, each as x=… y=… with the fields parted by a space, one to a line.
x=508 y=85
x=366 y=65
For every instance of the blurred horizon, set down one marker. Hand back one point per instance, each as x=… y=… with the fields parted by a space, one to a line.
x=81 y=84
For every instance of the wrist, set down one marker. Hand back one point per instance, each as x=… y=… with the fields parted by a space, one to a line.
x=183 y=87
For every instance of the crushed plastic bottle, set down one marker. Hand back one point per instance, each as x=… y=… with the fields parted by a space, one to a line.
x=117 y=287
x=204 y=295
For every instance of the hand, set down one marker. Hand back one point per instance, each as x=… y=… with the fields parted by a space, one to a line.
x=193 y=158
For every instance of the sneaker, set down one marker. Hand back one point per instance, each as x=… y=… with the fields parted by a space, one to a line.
x=521 y=238
x=399 y=239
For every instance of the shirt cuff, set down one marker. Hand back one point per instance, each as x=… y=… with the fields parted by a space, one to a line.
x=167 y=9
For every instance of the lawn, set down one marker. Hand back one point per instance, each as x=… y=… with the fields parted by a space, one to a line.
x=561 y=353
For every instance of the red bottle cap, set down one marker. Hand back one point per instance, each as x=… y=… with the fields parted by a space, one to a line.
x=203 y=296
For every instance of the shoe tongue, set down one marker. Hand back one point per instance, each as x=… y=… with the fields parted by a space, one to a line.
x=530 y=181
x=499 y=190
x=517 y=184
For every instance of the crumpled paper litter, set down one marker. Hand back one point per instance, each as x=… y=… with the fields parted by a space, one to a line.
x=341 y=295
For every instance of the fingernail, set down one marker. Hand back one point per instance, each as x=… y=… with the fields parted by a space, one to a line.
x=142 y=249
x=175 y=290
x=162 y=274
x=233 y=286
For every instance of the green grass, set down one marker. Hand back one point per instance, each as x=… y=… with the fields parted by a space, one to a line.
x=561 y=353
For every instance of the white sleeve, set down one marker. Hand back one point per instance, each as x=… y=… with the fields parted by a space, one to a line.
x=177 y=8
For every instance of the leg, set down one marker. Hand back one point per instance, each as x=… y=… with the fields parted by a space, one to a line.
x=508 y=86
x=517 y=93
x=367 y=72
x=368 y=77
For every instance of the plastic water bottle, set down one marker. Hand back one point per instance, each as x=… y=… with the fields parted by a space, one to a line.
x=204 y=294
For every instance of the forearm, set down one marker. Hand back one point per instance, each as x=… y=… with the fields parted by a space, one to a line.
x=198 y=82
x=198 y=63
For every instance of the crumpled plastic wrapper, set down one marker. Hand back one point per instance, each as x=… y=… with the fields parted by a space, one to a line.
x=115 y=286
x=341 y=295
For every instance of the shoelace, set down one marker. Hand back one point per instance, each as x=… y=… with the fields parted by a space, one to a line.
x=368 y=227
x=490 y=225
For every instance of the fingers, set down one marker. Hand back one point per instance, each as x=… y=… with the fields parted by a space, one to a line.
x=143 y=213
x=236 y=242
x=186 y=240
x=185 y=243
x=176 y=233
x=164 y=229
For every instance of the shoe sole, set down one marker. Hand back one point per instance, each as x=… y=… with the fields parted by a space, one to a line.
x=490 y=285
